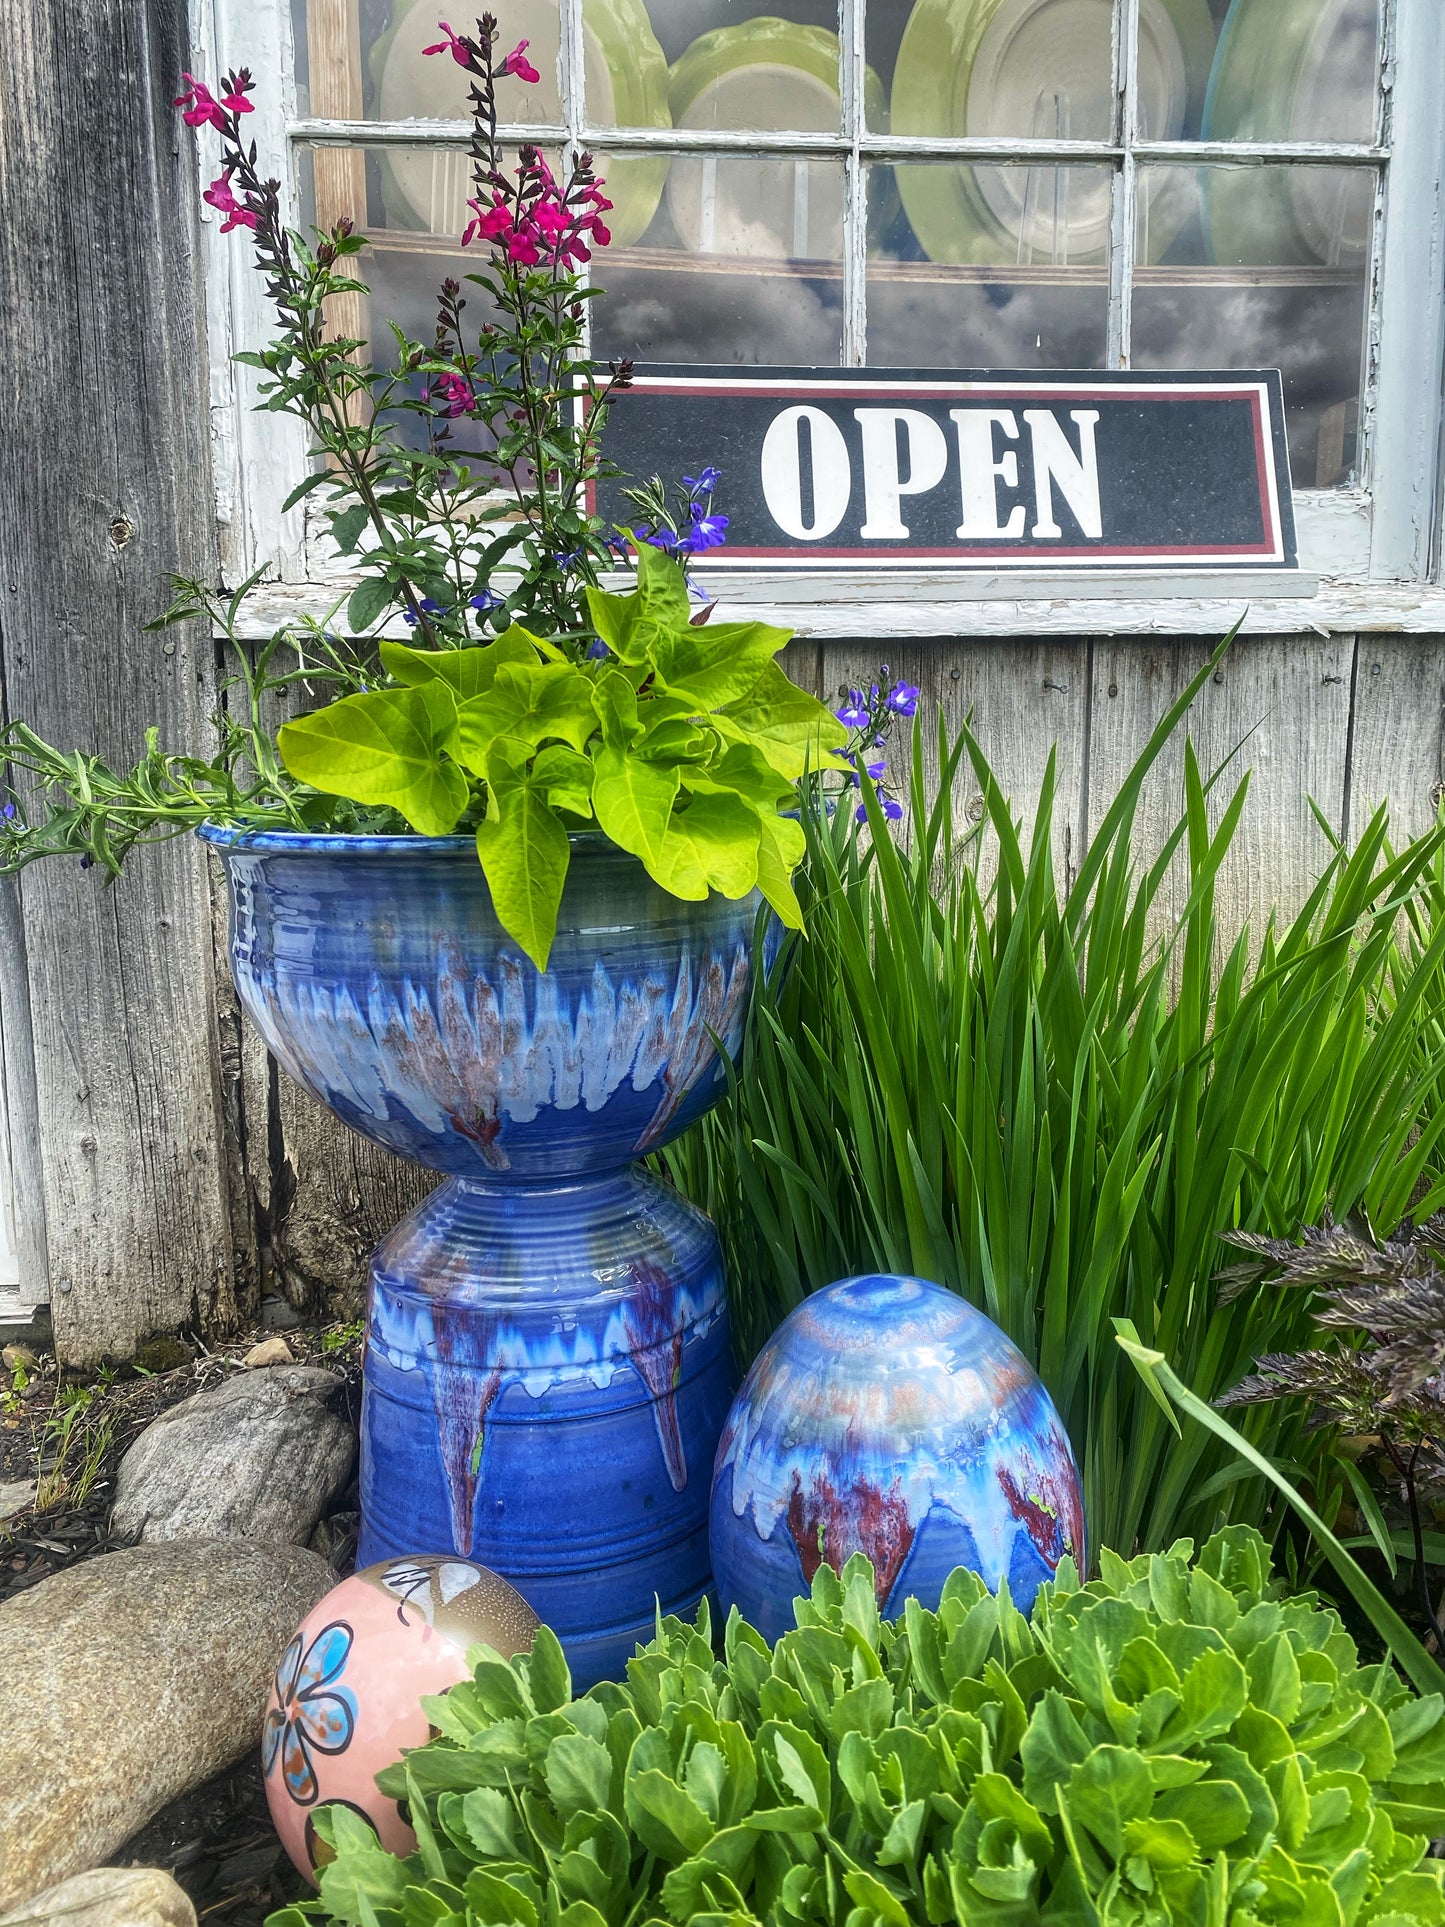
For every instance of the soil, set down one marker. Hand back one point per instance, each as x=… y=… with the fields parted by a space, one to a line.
x=218 y=1840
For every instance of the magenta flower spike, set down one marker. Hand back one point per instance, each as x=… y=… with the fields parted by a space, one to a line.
x=454 y=45
x=518 y=66
x=202 y=109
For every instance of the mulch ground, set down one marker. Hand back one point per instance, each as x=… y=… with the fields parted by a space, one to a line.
x=66 y=1434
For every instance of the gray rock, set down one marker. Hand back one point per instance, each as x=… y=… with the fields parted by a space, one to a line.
x=108 y=1897
x=257 y=1457
x=15 y=1495
x=129 y=1680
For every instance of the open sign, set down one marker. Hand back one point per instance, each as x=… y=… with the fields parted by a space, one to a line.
x=837 y=468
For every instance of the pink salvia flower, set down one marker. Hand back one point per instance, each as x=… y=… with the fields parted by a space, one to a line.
x=237 y=103
x=221 y=196
x=522 y=247
x=455 y=393
x=487 y=223
x=550 y=219
x=202 y=107
x=518 y=66
x=453 y=44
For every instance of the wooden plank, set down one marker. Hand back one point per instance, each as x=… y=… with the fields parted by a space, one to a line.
x=1025 y=697
x=333 y=46
x=1284 y=703
x=107 y=491
x=332 y=1196
x=22 y=1190
x=1398 y=752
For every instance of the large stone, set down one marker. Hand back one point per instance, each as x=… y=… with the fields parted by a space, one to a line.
x=257 y=1457
x=129 y=1680
x=108 y=1897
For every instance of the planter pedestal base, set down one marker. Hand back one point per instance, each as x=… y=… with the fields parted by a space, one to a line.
x=548 y=1369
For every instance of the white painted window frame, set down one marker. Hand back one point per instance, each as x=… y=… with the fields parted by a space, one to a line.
x=1371 y=552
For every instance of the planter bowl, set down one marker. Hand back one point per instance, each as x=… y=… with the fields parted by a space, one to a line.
x=377 y=973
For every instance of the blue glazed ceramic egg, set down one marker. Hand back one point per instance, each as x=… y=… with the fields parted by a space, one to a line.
x=887 y=1416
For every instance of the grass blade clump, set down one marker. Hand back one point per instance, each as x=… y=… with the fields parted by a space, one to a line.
x=1053 y=1099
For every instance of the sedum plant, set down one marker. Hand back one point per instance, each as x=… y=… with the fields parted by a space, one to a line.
x=528 y=701
x=1172 y=1743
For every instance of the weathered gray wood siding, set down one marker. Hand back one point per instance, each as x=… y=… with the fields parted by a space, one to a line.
x=106 y=1013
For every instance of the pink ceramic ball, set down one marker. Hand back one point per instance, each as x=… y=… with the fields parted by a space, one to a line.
x=348 y=1691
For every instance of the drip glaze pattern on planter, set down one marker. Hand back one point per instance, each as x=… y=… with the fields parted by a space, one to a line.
x=548 y=1359
x=888 y=1416
x=376 y=972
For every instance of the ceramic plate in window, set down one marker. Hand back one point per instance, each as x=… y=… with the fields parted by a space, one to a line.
x=625 y=79
x=765 y=75
x=1293 y=70
x=1036 y=69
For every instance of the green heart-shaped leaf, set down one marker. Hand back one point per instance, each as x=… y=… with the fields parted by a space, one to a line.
x=388 y=746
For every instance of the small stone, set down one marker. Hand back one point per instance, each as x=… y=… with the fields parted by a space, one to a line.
x=259 y=1456
x=108 y=1897
x=129 y=1680
x=270 y=1351
x=15 y=1495
x=14 y=1355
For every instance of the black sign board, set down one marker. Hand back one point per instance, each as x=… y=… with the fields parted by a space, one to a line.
x=896 y=469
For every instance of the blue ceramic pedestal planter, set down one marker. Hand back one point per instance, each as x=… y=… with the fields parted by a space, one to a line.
x=548 y=1360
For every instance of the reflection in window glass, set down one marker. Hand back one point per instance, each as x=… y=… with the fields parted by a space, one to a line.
x=742 y=263
x=1290 y=70
x=1004 y=290
x=1002 y=214
x=1268 y=272
x=732 y=66
x=1037 y=69
x=374 y=51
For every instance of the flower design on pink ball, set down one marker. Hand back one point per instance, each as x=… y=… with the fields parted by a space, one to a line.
x=312 y=1713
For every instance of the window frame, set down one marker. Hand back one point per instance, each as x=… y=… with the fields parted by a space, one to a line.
x=1376 y=545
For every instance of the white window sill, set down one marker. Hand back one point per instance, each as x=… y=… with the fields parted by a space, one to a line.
x=845 y=608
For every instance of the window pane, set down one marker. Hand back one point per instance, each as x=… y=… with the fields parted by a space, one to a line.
x=1037 y=68
x=741 y=263
x=998 y=216
x=366 y=61
x=733 y=66
x=1265 y=269
x=1004 y=282
x=1293 y=70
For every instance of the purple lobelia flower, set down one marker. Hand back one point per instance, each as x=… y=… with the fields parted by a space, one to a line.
x=707 y=531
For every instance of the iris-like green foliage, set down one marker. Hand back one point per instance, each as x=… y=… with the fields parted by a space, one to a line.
x=683 y=742
x=1172 y=1743
x=1053 y=1095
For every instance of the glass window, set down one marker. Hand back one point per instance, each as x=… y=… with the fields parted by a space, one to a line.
x=713 y=64
x=767 y=210
x=1267 y=270
x=988 y=267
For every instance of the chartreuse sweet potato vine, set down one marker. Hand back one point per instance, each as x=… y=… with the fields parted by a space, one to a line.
x=682 y=743
x=1172 y=1742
